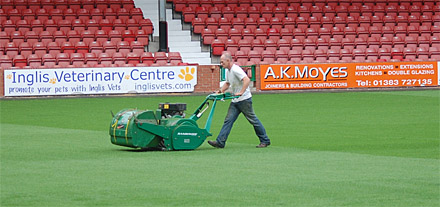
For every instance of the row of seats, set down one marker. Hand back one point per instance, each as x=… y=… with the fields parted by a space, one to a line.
x=244 y=12
x=313 y=23
x=76 y=33
x=372 y=34
x=179 y=5
x=325 y=43
x=74 y=36
x=64 y=4
x=334 y=55
x=325 y=21
x=71 y=14
x=345 y=52
x=54 y=48
x=9 y=26
x=117 y=59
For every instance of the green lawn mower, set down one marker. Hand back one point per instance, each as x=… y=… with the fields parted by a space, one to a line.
x=166 y=128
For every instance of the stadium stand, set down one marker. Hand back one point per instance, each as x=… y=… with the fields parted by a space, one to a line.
x=89 y=33
x=75 y=33
x=316 y=30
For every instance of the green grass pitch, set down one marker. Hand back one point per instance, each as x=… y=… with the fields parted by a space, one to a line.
x=328 y=149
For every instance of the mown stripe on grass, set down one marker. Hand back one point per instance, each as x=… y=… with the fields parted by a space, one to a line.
x=46 y=166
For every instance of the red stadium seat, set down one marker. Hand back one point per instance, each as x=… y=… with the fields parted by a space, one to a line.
x=320 y=55
x=215 y=12
x=231 y=46
x=254 y=56
x=77 y=59
x=97 y=14
x=119 y=59
x=105 y=59
x=434 y=53
x=115 y=36
x=25 y=49
x=198 y=25
x=81 y=47
x=30 y=37
x=11 y=49
x=244 y=45
x=14 y=14
x=109 y=13
x=63 y=59
x=19 y=61
x=270 y=45
x=59 y=37
x=90 y=59
x=188 y=14
x=34 y=61
x=137 y=47
x=5 y=62
x=101 y=36
x=228 y=12
x=73 y=36
x=123 y=14
x=217 y=46
x=250 y=23
x=213 y=24
x=48 y=61
x=39 y=49
x=17 y=37
x=201 y=12
x=333 y=55
x=257 y=45
x=346 y=55
x=96 y=48
x=247 y=34
x=23 y=25
x=8 y=26
x=147 y=58
x=208 y=36
x=53 y=48
x=238 y=23
x=160 y=57
x=67 y=47
x=142 y=37
x=88 y=4
x=87 y=36
x=109 y=47
x=268 y=56
x=263 y=23
x=123 y=47
x=174 y=58
x=422 y=53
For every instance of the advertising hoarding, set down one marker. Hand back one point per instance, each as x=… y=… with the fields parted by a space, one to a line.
x=43 y=82
x=348 y=75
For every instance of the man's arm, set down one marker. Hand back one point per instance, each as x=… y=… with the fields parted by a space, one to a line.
x=224 y=87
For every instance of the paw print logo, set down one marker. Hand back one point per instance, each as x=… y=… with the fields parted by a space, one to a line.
x=53 y=81
x=9 y=76
x=187 y=74
x=127 y=77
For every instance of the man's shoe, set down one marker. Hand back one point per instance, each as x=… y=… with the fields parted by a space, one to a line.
x=214 y=144
x=262 y=145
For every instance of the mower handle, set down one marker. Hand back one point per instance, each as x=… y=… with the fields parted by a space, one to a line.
x=221 y=96
x=214 y=97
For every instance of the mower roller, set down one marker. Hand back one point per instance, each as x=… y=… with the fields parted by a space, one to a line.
x=166 y=128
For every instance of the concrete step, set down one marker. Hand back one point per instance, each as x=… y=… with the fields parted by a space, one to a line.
x=184 y=44
x=184 y=49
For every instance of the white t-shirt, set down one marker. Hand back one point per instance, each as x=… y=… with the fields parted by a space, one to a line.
x=234 y=77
